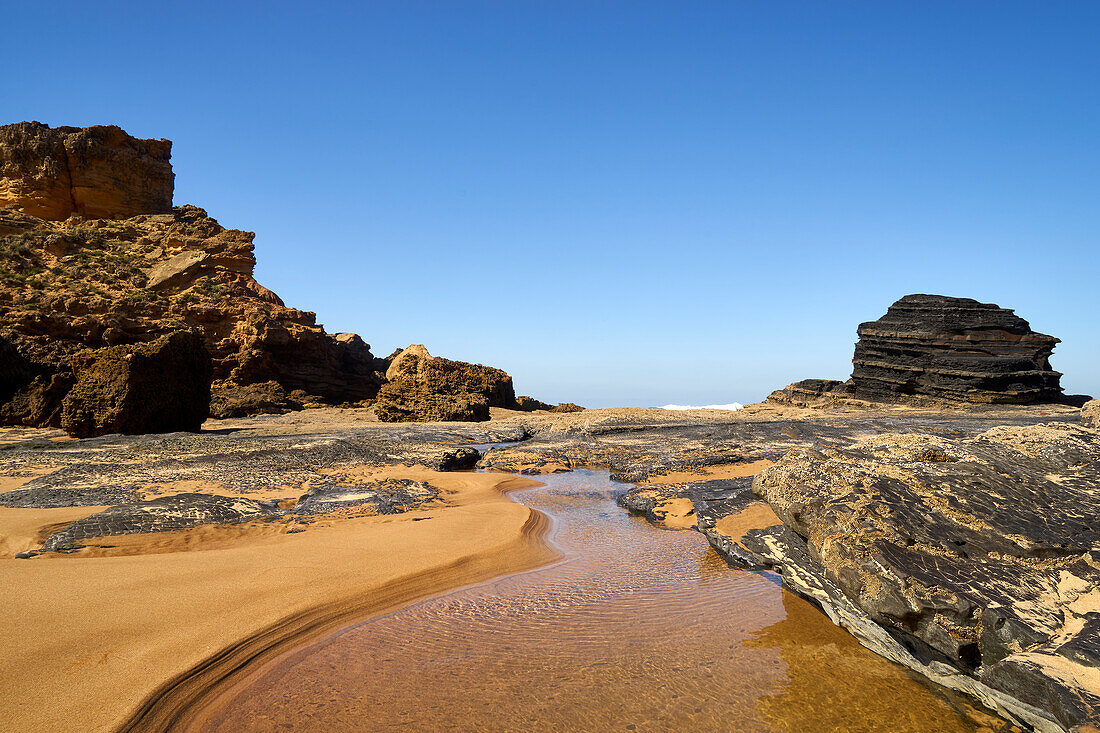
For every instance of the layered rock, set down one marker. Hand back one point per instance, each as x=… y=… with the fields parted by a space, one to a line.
x=955 y=349
x=935 y=349
x=972 y=561
x=422 y=387
x=97 y=172
x=158 y=387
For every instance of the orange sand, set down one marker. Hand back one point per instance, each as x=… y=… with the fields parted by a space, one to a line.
x=91 y=640
x=754 y=516
x=710 y=473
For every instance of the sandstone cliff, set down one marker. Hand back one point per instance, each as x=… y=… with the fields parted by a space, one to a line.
x=79 y=284
x=97 y=172
x=95 y=256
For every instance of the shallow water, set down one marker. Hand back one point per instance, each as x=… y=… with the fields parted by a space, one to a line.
x=638 y=629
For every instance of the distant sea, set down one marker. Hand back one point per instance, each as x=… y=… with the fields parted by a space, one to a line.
x=730 y=406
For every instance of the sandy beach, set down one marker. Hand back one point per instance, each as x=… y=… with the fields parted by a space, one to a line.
x=148 y=625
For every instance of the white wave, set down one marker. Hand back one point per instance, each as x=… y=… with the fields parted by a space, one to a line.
x=730 y=406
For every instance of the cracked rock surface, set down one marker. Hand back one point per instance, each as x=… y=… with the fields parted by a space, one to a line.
x=974 y=561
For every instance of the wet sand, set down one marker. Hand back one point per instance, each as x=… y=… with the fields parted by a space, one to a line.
x=637 y=629
x=91 y=638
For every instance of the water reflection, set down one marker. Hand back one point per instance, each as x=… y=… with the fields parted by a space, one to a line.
x=638 y=629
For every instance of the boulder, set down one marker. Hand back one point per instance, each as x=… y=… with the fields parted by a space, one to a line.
x=974 y=562
x=176 y=270
x=95 y=172
x=422 y=387
x=1090 y=414
x=228 y=399
x=953 y=349
x=157 y=387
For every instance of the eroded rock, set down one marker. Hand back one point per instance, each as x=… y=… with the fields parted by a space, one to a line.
x=425 y=388
x=973 y=561
x=1090 y=414
x=388 y=496
x=162 y=514
x=159 y=387
x=955 y=349
x=15 y=371
x=95 y=172
x=934 y=349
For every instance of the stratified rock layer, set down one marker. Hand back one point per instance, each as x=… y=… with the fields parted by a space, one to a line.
x=159 y=387
x=422 y=387
x=96 y=172
x=954 y=349
x=973 y=561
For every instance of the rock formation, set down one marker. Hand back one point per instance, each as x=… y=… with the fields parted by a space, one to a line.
x=530 y=404
x=162 y=514
x=937 y=348
x=423 y=387
x=1090 y=414
x=95 y=256
x=972 y=561
x=69 y=286
x=96 y=172
x=158 y=387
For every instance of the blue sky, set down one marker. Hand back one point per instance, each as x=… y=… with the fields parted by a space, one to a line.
x=617 y=202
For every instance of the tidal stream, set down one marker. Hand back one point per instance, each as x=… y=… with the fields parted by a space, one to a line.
x=638 y=628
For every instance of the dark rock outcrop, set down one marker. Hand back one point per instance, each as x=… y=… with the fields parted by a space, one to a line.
x=425 y=388
x=388 y=496
x=96 y=172
x=974 y=562
x=15 y=371
x=810 y=393
x=931 y=349
x=954 y=349
x=163 y=514
x=159 y=387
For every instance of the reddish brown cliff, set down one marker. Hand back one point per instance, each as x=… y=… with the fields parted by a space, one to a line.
x=97 y=172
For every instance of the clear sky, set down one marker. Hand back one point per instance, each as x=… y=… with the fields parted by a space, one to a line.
x=617 y=202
